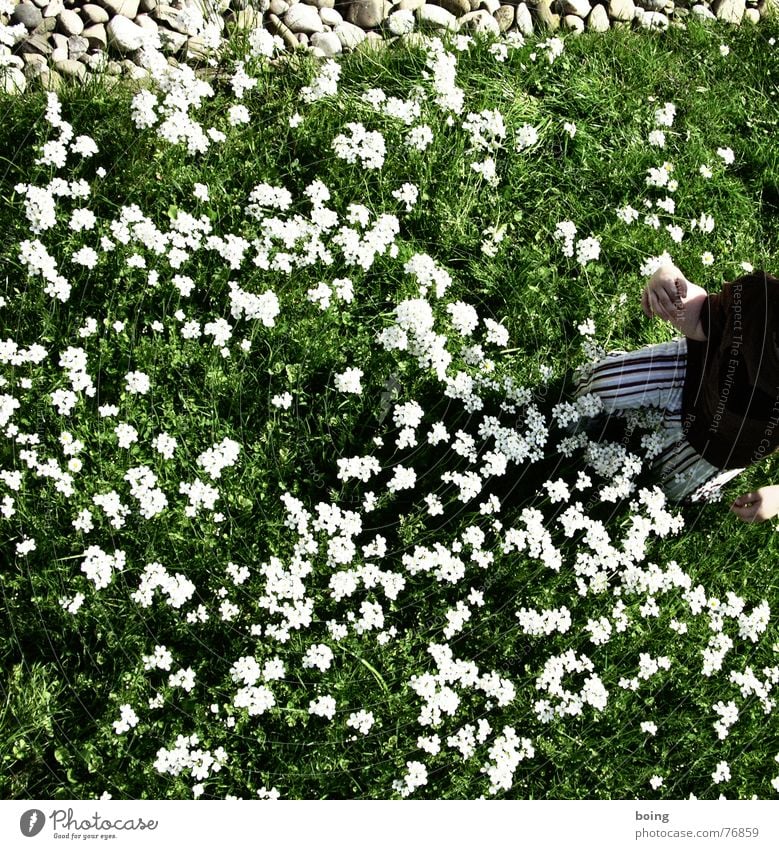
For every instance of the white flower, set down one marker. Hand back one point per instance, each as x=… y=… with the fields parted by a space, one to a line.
x=349 y=381
x=656 y=781
x=727 y=155
x=128 y=719
x=137 y=382
x=721 y=773
x=527 y=136
x=707 y=258
x=322 y=706
x=657 y=138
x=284 y=401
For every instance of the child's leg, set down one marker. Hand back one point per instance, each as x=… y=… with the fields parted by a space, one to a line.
x=648 y=377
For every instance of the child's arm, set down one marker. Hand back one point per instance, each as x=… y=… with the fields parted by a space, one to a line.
x=670 y=295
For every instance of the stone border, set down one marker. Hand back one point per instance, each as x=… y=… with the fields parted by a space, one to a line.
x=44 y=41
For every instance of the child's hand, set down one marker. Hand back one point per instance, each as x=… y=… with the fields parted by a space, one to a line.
x=757 y=506
x=664 y=293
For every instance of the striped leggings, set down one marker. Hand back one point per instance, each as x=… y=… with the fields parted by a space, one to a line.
x=654 y=377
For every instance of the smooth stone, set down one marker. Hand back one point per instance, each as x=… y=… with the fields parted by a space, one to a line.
x=77 y=46
x=148 y=5
x=125 y=8
x=330 y=17
x=53 y=9
x=598 y=19
x=410 y=5
x=367 y=13
x=580 y=8
x=303 y=18
x=71 y=68
x=147 y=23
x=59 y=54
x=327 y=42
x=12 y=81
x=95 y=14
x=27 y=14
x=752 y=15
x=320 y=4
x=278 y=7
x=491 y=6
x=730 y=11
x=654 y=5
x=198 y=51
x=302 y=38
x=96 y=36
x=69 y=23
x=349 y=35
x=653 y=20
x=505 y=17
x=622 y=10
x=48 y=78
x=124 y=36
x=457 y=7
x=573 y=23
x=542 y=11
x=703 y=13
x=479 y=21
x=524 y=19
x=276 y=27
x=437 y=16
x=46 y=26
x=96 y=61
x=59 y=40
x=174 y=19
x=32 y=59
x=36 y=44
x=171 y=40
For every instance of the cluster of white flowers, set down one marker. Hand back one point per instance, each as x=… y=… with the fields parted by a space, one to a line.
x=183 y=757
x=506 y=753
x=414 y=778
x=200 y=495
x=349 y=381
x=536 y=623
x=220 y=456
x=318 y=656
x=98 y=565
x=128 y=719
x=357 y=467
x=567 y=702
x=486 y=129
x=178 y=588
x=152 y=500
x=728 y=715
x=449 y=96
x=364 y=145
x=160 y=659
x=322 y=706
x=323 y=85
x=361 y=721
x=264 y=307
x=526 y=137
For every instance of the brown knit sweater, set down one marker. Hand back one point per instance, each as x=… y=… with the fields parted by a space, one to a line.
x=730 y=400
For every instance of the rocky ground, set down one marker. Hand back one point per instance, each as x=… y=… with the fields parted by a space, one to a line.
x=44 y=41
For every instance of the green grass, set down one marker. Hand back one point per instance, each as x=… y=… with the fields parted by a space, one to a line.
x=67 y=674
